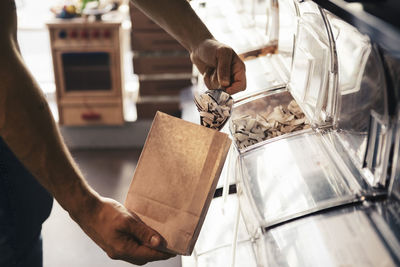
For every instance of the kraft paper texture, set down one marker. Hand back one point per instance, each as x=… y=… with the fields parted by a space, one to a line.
x=175 y=179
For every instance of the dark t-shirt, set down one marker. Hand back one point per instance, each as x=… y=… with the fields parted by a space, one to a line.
x=24 y=203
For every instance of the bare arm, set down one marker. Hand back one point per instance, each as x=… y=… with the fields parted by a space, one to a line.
x=29 y=130
x=27 y=126
x=218 y=63
x=178 y=18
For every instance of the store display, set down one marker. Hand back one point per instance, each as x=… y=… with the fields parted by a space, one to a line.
x=324 y=196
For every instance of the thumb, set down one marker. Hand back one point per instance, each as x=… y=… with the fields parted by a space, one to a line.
x=224 y=61
x=201 y=66
x=144 y=234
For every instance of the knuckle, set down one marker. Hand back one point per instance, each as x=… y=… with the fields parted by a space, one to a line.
x=116 y=253
x=193 y=57
x=112 y=253
x=241 y=65
x=129 y=221
x=223 y=51
x=122 y=225
x=207 y=81
x=141 y=263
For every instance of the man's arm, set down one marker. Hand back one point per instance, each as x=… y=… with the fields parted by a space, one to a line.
x=28 y=128
x=218 y=63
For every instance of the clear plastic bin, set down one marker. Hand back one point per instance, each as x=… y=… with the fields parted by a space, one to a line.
x=266 y=117
x=346 y=237
x=293 y=176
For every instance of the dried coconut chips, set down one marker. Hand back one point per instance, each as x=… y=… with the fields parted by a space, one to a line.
x=215 y=107
x=248 y=130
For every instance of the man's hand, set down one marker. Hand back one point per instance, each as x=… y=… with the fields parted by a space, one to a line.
x=121 y=234
x=220 y=66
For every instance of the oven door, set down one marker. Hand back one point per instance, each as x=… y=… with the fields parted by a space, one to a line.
x=87 y=72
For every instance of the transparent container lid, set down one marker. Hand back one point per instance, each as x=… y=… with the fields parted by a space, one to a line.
x=287 y=27
x=259 y=21
x=353 y=49
x=263 y=74
x=363 y=121
x=294 y=176
x=313 y=74
x=394 y=187
x=246 y=27
x=344 y=237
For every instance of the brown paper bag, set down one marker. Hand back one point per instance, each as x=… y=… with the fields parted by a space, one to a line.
x=175 y=179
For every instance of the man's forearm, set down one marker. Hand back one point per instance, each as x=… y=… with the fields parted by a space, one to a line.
x=28 y=128
x=178 y=18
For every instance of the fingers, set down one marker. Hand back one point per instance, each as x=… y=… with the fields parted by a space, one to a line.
x=238 y=76
x=220 y=66
x=144 y=234
x=211 y=79
x=209 y=75
x=122 y=235
x=138 y=243
x=224 y=61
x=140 y=255
x=201 y=66
x=147 y=254
x=132 y=252
x=207 y=78
x=219 y=77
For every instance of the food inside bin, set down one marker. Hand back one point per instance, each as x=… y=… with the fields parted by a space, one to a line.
x=267 y=118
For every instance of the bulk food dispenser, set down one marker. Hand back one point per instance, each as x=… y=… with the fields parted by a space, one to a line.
x=323 y=194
